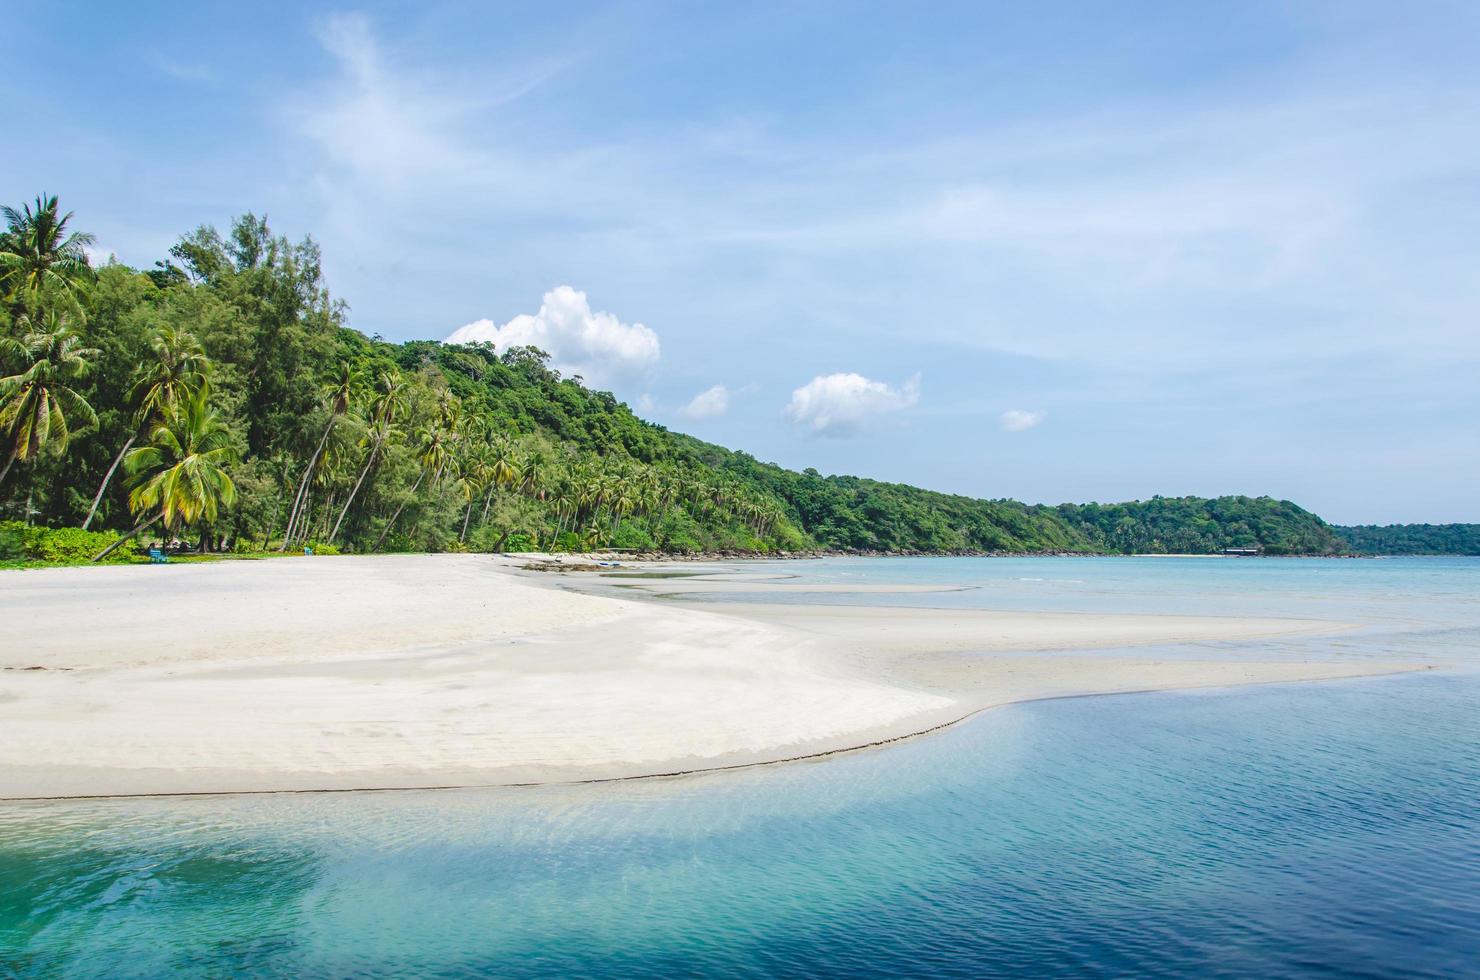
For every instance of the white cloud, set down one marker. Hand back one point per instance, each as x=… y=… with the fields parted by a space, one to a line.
x=595 y=345
x=1019 y=420
x=839 y=404
x=184 y=71
x=708 y=403
x=99 y=257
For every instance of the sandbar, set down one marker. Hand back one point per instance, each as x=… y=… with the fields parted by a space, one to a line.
x=408 y=671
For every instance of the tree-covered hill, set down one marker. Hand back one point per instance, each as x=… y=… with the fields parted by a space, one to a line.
x=1196 y=525
x=1412 y=539
x=220 y=399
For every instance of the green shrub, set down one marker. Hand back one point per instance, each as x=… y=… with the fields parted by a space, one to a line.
x=568 y=541
x=633 y=535
x=52 y=544
x=679 y=532
x=12 y=541
x=519 y=541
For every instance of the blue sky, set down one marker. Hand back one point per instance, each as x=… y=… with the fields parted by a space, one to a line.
x=1048 y=251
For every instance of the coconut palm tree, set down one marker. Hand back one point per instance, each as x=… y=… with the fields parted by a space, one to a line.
x=37 y=406
x=340 y=393
x=436 y=450
x=175 y=374
x=450 y=430
x=380 y=433
x=391 y=400
x=504 y=460
x=566 y=503
x=180 y=476
x=38 y=253
x=433 y=457
x=532 y=474
x=388 y=406
x=470 y=484
x=177 y=371
x=622 y=501
x=331 y=474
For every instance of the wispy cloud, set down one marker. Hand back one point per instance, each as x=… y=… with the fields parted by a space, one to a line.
x=1018 y=420
x=387 y=125
x=375 y=122
x=1159 y=216
x=193 y=72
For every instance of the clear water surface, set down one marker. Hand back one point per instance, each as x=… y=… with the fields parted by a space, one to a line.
x=1297 y=830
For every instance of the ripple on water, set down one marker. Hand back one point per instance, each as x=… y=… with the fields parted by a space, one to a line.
x=1326 y=829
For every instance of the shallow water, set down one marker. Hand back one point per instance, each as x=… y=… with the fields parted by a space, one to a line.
x=1300 y=830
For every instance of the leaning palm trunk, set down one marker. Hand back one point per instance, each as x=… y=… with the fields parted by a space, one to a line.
x=267 y=528
x=305 y=520
x=305 y=511
x=107 y=478
x=363 y=473
x=14 y=452
x=328 y=514
x=392 y=522
x=487 y=502
x=464 y=535
x=297 y=502
x=138 y=528
x=303 y=485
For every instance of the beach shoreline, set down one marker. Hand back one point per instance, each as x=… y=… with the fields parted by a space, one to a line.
x=402 y=672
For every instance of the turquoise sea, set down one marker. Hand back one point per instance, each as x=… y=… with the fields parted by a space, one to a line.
x=1327 y=829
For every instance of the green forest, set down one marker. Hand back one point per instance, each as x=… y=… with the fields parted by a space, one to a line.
x=219 y=402
x=1412 y=539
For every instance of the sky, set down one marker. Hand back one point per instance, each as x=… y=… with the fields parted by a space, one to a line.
x=1056 y=251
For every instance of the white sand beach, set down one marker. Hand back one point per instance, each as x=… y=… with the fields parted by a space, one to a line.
x=441 y=670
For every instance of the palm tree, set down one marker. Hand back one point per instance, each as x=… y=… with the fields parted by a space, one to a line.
x=174 y=374
x=532 y=477
x=37 y=252
x=340 y=394
x=180 y=476
x=565 y=502
x=470 y=484
x=377 y=436
x=35 y=404
x=498 y=456
x=389 y=404
x=452 y=428
x=478 y=472
x=436 y=451
x=432 y=455
x=177 y=372
x=505 y=462
x=622 y=501
x=391 y=401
